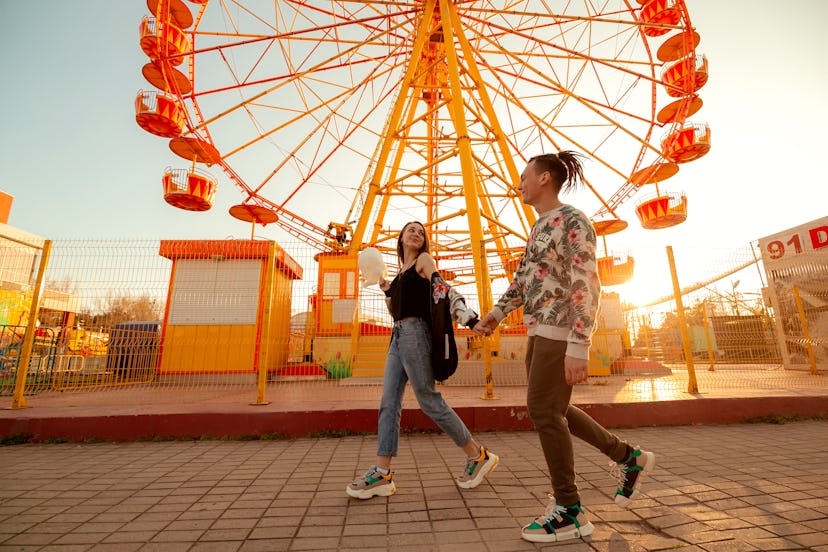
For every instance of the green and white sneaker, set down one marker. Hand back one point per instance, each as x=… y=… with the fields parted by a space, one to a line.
x=476 y=469
x=558 y=523
x=629 y=474
x=372 y=483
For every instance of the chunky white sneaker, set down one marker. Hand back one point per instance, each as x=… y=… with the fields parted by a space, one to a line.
x=629 y=474
x=558 y=523
x=476 y=469
x=372 y=483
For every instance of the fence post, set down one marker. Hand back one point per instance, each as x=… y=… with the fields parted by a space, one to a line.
x=485 y=298
x=706 y=322
x=19 y=400
x=647 y=338
x=692 y=386
x=263 y=358
x=801 y=310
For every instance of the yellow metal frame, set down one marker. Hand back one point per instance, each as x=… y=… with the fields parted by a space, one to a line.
x=450 y=144
x=18 y=399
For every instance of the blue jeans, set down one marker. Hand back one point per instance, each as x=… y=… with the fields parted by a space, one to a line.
x=409 y=359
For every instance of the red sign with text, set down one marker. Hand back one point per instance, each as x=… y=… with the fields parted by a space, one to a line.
x=786 y=245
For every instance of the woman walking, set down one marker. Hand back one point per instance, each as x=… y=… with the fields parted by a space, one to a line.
x=409 y=360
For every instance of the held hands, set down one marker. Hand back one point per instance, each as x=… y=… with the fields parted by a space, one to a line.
x=486 y=326
x=575 y=370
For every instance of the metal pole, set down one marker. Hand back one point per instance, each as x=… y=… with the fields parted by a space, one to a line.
x=805 y=331
x=692 y=385
x=19 y=400
x=706 y=322
x=470 y=184
x=264 y=332
x=646 y=339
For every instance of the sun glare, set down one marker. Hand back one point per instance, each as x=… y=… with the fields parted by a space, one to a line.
x=644 y=288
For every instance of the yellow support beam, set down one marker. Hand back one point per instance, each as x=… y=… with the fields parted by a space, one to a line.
x=19 y=399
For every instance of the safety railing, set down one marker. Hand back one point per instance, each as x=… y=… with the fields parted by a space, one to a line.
x=260 y=321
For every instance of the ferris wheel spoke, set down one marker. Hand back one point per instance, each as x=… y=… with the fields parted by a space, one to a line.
x=367 y=99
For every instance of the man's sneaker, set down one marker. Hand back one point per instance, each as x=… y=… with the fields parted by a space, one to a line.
x=476 y=469
x=558 y=523
x=372 y=483
x=629 y=474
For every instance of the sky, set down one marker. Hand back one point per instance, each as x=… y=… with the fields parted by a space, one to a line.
x=79 y=167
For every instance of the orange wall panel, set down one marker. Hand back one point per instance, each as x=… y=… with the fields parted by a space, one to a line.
x=208 y=349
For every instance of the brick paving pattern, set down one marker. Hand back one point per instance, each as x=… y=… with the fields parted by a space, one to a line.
x=717 y=488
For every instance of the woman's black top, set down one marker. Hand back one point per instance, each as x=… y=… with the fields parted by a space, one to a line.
x=410 y=295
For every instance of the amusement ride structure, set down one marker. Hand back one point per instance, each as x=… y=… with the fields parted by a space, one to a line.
x=372 y=114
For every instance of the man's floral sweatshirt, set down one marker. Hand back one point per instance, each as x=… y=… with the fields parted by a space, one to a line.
x=556 y=281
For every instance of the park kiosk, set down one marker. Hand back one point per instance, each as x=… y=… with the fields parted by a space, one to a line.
x=228 y=306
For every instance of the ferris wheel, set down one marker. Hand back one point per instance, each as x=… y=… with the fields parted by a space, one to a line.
x=341 y=120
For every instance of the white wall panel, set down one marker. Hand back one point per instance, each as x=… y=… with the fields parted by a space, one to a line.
x=211 y=292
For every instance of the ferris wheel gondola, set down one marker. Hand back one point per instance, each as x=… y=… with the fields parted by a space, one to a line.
x=424 y=109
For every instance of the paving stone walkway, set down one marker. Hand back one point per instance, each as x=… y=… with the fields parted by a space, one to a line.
x=717 y=488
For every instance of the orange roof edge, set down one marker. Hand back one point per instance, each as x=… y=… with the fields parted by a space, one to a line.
x=229 y=249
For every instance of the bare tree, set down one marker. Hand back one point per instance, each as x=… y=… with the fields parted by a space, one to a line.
x=126 y=309
x=64 y=285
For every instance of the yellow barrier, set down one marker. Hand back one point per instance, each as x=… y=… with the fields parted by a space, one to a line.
x=254 y=321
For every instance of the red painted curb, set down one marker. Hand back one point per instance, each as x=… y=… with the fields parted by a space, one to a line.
x=321 y=423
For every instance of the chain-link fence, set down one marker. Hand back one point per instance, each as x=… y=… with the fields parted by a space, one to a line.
x=252 y=320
